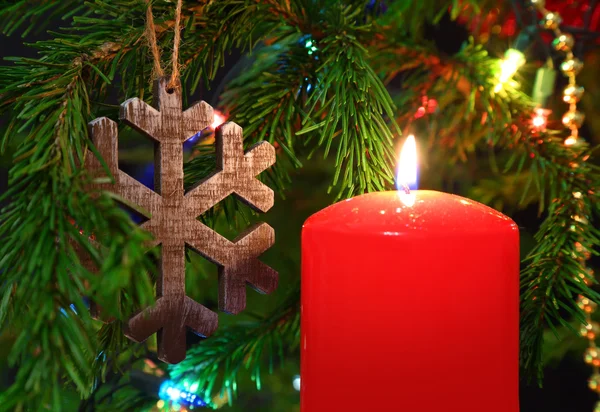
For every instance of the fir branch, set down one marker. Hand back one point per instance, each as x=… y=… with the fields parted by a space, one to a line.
x=414 y=16
x=365 y=150
x=502 y=191
x=215 y=365
x=474 y=115
x=269 y=99
x=245 y=24
x=50 y=97
x=555 y=275
x=122 y=386
x=36 y=14
x=349 y=107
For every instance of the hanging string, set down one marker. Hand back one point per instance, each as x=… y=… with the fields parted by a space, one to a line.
x=157 y=71
x=176 y=41
x=151 y=36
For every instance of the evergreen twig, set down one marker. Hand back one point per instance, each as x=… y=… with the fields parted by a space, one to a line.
x=244 y=346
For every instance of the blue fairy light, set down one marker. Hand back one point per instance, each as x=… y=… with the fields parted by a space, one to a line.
x=171 y=392
x=308 y=86
x=66 y=313
x=195 y=137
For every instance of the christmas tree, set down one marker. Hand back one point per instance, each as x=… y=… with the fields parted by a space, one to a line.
x=491 y=90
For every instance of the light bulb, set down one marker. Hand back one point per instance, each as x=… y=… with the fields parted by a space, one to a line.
x=512 y=61
x=296 y=382
x=539 y=120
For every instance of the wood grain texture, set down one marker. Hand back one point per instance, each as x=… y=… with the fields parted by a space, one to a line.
x=173 y=214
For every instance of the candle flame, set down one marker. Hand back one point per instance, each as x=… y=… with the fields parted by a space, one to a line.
x=406 y=176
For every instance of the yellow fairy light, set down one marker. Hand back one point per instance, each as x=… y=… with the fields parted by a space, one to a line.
x=512 y=61
x=570 y=141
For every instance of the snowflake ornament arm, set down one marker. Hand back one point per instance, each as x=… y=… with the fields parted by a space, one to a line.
x=235 y=173
x=105 y=135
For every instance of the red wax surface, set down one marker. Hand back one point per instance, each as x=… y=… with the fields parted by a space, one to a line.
x=410 y=309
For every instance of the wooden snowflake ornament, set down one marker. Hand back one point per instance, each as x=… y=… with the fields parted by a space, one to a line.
x=173 y=214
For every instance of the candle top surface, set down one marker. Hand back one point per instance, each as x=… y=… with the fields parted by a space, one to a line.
x=388 y=214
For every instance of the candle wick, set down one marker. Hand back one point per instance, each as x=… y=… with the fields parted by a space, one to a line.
x=406 y=188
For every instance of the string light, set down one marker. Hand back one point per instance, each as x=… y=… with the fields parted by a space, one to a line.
x=219 y=119
x=540 y=119
x=180 y=396
x=310 y=44
x=296 y=382
x=512 y=61
x=428 y=106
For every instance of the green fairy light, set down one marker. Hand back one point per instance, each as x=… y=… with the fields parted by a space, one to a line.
x=311 y=45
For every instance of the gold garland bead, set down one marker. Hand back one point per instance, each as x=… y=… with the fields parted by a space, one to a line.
x=590 y=331
x=586 y=304
x=563 y=42
x=573 y=94
x=551 y=21
x=571 y=67
x=573 y=119
x=594 y=382
x=539 y=3
x=591 y=356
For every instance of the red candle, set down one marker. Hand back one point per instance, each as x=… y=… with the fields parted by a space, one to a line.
x=410 y=304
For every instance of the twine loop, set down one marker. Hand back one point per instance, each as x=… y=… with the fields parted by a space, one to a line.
x=151 y=36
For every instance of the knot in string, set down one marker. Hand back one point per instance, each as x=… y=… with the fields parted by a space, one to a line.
x=151 y=36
